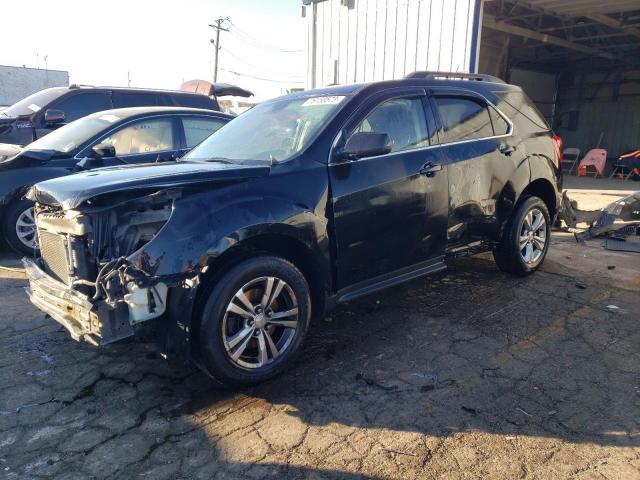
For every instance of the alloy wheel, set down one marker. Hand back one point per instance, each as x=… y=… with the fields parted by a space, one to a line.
x=533 y=236
x=260 y=323
x=26 y=229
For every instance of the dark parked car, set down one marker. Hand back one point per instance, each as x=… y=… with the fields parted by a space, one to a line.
x=113 y=137
x=300 y=203
x=38 y=114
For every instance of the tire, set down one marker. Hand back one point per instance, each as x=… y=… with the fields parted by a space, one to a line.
x=15 y=220
x=229 y=350
x=509 y=255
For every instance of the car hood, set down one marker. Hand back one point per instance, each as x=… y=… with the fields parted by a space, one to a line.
x=8 y=151
x=71 y=191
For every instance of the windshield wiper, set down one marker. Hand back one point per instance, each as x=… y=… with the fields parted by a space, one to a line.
x=219 y=160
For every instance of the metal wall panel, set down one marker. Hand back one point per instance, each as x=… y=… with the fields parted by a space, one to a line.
x=371 y=40
x=19 y=82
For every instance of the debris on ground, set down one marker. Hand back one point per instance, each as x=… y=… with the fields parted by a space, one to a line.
x=619 y=219
x=614 y=309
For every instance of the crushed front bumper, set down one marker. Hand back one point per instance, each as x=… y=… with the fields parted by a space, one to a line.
x=97 y=324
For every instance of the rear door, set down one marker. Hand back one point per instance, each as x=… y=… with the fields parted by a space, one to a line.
x=124 y=99
x=195 y=128
x=477 y=143
x=390 y=210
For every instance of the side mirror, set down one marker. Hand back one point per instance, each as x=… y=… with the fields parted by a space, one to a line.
x=365 y=144
x=103 y=150
x=54 y=117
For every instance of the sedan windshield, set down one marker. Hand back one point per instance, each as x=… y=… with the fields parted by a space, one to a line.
x=273 y=131
x=33 y=103
x=68 y=138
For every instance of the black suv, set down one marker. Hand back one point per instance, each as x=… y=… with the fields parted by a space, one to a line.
x=302 y=202
x=38 y=114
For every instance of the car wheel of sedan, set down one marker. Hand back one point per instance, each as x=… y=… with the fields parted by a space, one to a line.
x=19 y=227
x=254 y=320
x=526 y=238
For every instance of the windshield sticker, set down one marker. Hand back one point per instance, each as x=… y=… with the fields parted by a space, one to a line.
x=110 y=118
x=334 y=100
x=34 y=108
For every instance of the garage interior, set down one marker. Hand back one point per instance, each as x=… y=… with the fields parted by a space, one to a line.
x=578 y=60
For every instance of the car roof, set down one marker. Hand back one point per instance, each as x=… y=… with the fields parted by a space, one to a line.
x=130 y=112
x=478 y=83
x=75 y=86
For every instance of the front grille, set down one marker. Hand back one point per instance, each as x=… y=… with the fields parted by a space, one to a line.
x=53 y=249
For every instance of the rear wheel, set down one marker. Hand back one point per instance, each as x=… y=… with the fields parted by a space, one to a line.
x=254 y=320
x=526 y=238
x=19 y=227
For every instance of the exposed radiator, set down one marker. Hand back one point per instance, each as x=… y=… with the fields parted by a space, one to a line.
x=53 y=248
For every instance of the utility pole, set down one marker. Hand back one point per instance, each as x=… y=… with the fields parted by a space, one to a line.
x=218 y=26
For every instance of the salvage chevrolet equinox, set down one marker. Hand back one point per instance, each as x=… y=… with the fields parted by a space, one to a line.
x=303 y=202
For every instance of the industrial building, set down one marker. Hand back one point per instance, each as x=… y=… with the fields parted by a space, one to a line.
x=19 y=82
x=579 y=60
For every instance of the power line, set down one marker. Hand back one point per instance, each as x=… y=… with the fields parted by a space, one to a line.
x=248 y=38
x=259 y=78
x=260 y=68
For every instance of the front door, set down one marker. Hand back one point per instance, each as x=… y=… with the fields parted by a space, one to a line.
x=144 y=141
x=390 y=211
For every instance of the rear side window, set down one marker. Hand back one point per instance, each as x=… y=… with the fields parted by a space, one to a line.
x=123 y=100
x=463 y=118
x=82 y=104
x=195 y=101
x=197 y=129
x=403 y=119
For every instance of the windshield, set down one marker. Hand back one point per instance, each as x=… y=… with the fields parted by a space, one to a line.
x=33 y=103
x=273 y=131
x=71 y=136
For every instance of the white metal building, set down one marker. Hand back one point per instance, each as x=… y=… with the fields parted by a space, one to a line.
x=352 y=41
x=19 y=82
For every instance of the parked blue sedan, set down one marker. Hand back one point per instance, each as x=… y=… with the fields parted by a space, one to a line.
x=107 y=138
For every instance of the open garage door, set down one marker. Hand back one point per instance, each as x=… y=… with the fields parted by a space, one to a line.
x=579 y=60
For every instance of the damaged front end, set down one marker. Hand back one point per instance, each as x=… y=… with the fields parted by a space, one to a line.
x=88 y=278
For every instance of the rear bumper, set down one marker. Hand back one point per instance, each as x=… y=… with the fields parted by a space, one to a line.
x=84 y=320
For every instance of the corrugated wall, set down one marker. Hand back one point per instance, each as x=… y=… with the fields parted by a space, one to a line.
x=369 y=40
x=607 y=104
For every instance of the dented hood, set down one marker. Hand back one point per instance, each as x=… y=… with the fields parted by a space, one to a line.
x=71 y=191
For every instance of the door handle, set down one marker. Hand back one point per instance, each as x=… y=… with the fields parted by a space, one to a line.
x=507 y=149
x=430 y=169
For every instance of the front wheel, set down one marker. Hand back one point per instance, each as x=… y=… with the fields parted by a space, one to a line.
x=526 y=238
x=254 y=320
x=19 y=227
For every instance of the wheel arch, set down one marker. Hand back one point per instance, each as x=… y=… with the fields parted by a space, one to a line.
x=543 y=189
x=289 y=247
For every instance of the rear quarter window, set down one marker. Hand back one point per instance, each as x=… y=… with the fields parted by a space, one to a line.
x=521 y=111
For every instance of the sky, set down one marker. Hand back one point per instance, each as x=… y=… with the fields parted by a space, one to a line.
x=160 y=43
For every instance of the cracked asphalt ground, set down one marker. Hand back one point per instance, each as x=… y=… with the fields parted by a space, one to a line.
x=469 y=374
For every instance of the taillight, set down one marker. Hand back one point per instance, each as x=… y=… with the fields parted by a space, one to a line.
x=557 y=142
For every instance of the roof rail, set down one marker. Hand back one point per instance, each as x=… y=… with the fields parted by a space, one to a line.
x=479 y=77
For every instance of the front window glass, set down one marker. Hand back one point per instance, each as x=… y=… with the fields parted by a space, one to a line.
x=402 y=119
x=68 y=138
x=82 y=104
x=273 y=131
x=463 y=118
x=147 y=136
x=33 y=103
